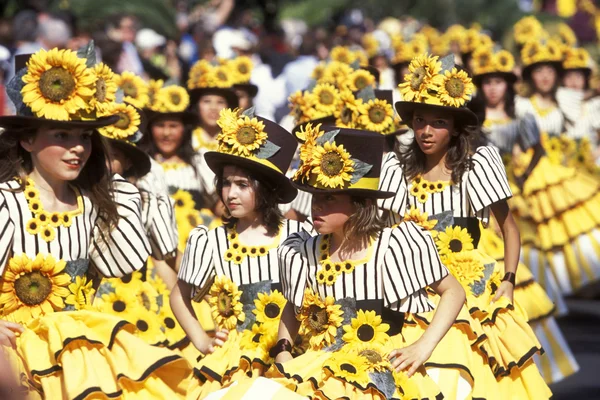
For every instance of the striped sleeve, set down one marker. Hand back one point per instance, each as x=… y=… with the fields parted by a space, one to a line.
x=529 y=132
x=293 y=267
x=7 y=232
x=162 y=227
x=487 y=182
x=411 y=263
x=125 y=248
x=392 y=180
x=197 y=265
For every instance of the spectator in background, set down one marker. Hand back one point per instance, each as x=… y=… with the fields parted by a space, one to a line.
x=125 y=32
x=297 y=74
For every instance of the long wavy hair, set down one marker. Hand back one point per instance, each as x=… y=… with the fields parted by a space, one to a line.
x=94 y=178
x=265 y=201
x=364 y=224
x=185 y=151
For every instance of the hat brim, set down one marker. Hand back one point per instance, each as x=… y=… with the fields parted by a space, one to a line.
x=462 y=115
x=327 y=121
x=510 y=77
x=528 y=69
x=285 y=190
x=227 y=93
x=188 y=118
x=585 y=70
x=19 y=121
x=249 y=88
x=140 y=161
x=374 y=194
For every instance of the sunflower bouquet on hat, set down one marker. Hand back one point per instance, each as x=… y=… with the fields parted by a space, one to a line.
x=528 y=28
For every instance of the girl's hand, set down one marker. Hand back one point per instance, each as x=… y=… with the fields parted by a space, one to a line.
x=8 y=331
x=411 y=357
x=209 y=345
x=283 y=357
x=506 y=289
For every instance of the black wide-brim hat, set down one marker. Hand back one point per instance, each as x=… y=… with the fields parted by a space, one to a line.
x=21 y=121
x=249 y=88
x=365 y=146
x=272 y=169
x=509 y=77
x=587 y=71
x=328 y=121
x=227 y=93
x=526 y=73
x=186 y=117
x=462 y=115
x=140 y=160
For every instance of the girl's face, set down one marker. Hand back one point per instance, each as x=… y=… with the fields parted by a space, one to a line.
x=119 y=162
x=574 y=80
x=167 y=135
x=209 y=107
x=494 y=89
x=433 y=131
x=59 y=153
x=331 y=211
x=544 y=78
x=238 y=192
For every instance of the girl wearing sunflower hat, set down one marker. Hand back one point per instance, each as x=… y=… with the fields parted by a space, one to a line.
x=62 y=211
x=439 y=175
x=236 y=264
x=494 y=78
x=245 y=90
x=349 y=286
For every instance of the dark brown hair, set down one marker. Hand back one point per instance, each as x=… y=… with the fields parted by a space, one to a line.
x=94 y=177
x=266 y=201
x=458 y=157
x=364 y=224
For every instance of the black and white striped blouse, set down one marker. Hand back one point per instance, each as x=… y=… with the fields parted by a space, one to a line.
x=484 y=184
x=504 y=134
x=123 y=250
x=403 y=261
x=550 y=121
x=204 y=257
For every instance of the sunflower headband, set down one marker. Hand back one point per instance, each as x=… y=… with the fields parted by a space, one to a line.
x=324 y=164
x=166 y=99
x=220 y=74
x=486 y=61
x=434 y=82
x=536 y=51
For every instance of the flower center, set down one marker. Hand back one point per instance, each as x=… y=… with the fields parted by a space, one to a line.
x=222 y=76
x=455 y=87
x=246 y=135
x=193 y=220
x=175 y=98
x=317 y=319
x=373 y=356
x=348 y=368
x=455 y=245
x=127 y=278
x=119 y=306
x=417 y=78
x=142 y=325
x=129 y=89
x=365 y=332
x=33 y=288
x=256 y=338
x=224 y=304
x=123 y=122
x=100 y=90
x=169 y=323
x=360 y=82
x=272 y=310
x=243 y=69
x=377 y=114
x=346 y=115
x=332 y=163
x=145 y=300
x=57 y=84
x=326 y=97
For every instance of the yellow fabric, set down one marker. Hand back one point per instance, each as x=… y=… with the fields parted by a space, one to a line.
x=557 y=362
x=68 y=353
x=203 y=313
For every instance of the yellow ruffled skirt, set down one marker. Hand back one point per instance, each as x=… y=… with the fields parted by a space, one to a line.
x=87 y=354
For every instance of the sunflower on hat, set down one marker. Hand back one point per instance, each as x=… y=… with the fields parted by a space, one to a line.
x=242 y=69
x=576 y=58
x=240 y=134
x=528 y=28
x=126 y=126
x=134 y=88
x=536 y=51
x=424 y=76
x=105 y=87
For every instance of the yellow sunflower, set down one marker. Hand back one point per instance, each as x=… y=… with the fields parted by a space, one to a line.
x=566 y=34
x=35 y=206
x=269 y=307
x=174 y=98
x=342 y=54
x=174 y=333
x=48 y=233
x=82 y=293
x=349 y=367
x=247 y=136
x=134 y=88
x=57 y=84
x=456 y=89
x=366 y=327
x=326 y=98
x=147 y=296
x=225 y=303
x=221 y=77
x=260 y=336
x=128 y=123
x=154 y=87
x=336 y=73
x=527 y=28
x=147 y=326
x=465 y=268
x=576 y=58
x=420 y=218
x=470 y=40
x=423 y=75
x=105 y=87
x=197 y=72
x=376 y=354
x=347 y=114
x=33 y=226
x=504 y=61
x=120 y=303
x=332 y=165
x=532 y=52
x=243 y=66
x=320 y=318
x=553 y=50
x=359 y=80
x=31 y=288
x=482 y=60
x=454 y=240
x=370 y=44
x=376 y=115
x=55 y=219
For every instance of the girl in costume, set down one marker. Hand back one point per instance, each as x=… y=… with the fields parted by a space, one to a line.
x=558 y=215
x=494 y=79
x=66 y=224
x=440 y=176
x=245 y=91
x=348 y=287
x=236 y=264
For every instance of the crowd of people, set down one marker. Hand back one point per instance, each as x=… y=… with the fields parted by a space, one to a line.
x=407 y=228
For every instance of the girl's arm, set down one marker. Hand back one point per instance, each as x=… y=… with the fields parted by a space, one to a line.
x=512 y=246
x=181 y=304
x=165 y=272
x=452 y=298
x=288 y=329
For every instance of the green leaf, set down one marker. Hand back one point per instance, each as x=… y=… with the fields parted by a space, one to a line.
x=366 y=94
x=327 y=137
x=355 y=65
x=361 y=168
x=249 y=112
x=447 y=63
x=311 y=85
x=89 y=53
x=267 y=150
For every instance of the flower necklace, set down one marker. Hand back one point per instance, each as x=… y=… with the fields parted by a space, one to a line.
x=43 y=222
x=201 y=143
x=330 y=270
x=542 y=112
x=422 y=188
x=237 y=252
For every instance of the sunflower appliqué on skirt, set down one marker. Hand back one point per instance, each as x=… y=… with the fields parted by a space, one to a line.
x=348 y=356
x=64 y=336
x=251 y=314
